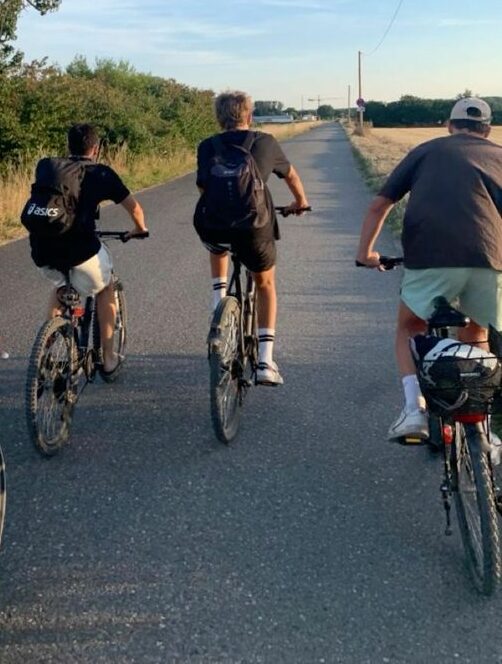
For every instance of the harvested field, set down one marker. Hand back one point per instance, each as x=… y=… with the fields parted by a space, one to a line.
x=284 y=131
x=384 y=148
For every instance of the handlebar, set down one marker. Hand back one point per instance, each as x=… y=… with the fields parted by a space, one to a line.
x=123 y=236
x=285 y=212
x=387 y=262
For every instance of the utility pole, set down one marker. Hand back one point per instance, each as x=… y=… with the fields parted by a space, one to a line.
x=360 y=108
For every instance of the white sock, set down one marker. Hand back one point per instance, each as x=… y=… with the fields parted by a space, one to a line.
x=219 y=290
x=412 y=393
x=266 y=338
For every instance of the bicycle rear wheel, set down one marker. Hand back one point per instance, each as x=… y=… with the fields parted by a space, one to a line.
x=224 y=369
x=50 y=397
x=476 y=507
x=3 y=493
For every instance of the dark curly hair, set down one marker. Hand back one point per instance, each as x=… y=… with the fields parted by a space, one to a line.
x=82 y=138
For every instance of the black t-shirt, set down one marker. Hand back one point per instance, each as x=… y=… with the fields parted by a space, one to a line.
x=80 y=242
x=266 y=152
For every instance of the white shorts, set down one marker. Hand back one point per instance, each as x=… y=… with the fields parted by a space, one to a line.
x=88 y=278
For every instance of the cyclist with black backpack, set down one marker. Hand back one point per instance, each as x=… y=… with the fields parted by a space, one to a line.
x=236 y=209
x=60 y=216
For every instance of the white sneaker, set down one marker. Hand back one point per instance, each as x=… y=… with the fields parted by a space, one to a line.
x=412 y=423
x=495 y=449
x=268 y=374
x=4 y=355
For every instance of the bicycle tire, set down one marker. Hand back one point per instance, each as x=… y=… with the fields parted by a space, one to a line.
x=49 y=397
x=120 y=329
x=476 y=507
x=3 y=493
x=224 y=378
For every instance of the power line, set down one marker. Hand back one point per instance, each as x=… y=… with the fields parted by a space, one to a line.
x=388 y=29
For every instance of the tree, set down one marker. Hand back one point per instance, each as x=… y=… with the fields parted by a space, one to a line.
x=464 y=94
x=326 y=112
x=9 y=14
x=293 y=112
x=268 y=107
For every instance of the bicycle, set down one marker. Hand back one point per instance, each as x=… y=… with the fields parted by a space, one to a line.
x=459 y=428
x=461 y=431
x=233 y=348
x=65 y=357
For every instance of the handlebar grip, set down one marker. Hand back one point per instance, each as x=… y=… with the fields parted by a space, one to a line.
x=283 y=209
x=387 y=262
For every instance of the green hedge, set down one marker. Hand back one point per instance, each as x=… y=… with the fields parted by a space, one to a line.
x=146 y=113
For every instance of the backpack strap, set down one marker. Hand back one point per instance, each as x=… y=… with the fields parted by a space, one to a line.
x=218 y=145
x=249 y=141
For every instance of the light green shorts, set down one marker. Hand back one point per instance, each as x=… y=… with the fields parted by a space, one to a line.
x=476 y=291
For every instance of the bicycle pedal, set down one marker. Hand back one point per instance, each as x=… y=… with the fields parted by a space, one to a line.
x=411 y=441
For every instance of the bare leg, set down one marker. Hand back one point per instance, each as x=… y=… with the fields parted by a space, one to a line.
x=54 y=307
x=474 y=334
x=105 y=301
x=219 y=265
x=267 y=298
x=408 y=324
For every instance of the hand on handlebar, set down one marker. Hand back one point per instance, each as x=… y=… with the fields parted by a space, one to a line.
x=293 y=208
x=371 y=260
x=296 y=208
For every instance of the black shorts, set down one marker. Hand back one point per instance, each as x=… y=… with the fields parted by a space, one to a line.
x=257 y=253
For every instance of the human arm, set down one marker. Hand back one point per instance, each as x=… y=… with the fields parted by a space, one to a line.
x=135 y=211
x=372 y=225
x=295 y=185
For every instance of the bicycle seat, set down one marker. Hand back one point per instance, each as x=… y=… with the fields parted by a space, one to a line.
x=445 y=315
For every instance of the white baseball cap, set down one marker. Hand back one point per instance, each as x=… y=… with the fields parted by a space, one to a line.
x=471 y=108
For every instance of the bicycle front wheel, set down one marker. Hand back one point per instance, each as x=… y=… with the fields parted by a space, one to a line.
x=49 y=394
x=476 y=507
x=224 y=369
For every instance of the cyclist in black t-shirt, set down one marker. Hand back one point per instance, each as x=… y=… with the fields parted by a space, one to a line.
x=79 y=250
x=256 y=249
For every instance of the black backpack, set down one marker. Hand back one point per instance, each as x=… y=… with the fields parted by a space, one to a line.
x=235 y=197
x=51 y=210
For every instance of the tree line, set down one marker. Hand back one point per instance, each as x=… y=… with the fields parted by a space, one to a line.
x=412 y=111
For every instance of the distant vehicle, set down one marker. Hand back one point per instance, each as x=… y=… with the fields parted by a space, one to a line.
x=273 y=119
x=308 y=117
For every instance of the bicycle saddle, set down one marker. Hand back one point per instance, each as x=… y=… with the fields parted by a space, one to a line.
x=445 y=315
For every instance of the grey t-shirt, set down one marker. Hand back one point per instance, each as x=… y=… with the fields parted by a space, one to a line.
x=454 y=214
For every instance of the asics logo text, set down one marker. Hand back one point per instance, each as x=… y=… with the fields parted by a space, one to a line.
x=43 y=212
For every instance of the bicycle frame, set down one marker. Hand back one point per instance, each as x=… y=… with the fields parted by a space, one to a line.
x=247 y=301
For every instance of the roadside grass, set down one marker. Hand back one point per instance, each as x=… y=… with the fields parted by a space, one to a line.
x=138 y=172
x=375 y=162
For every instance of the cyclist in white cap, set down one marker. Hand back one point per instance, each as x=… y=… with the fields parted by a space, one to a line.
x=452 y=240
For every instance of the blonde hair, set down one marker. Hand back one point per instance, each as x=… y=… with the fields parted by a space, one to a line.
x=232 y=108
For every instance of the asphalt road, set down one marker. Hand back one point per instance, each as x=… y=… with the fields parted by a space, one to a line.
x=311 y=539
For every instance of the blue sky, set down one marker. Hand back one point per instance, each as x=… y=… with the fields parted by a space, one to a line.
x=285 y=49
